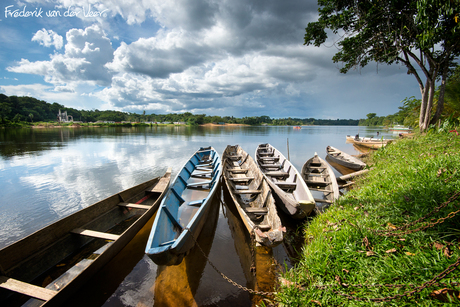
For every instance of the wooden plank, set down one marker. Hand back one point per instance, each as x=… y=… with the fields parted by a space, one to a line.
x=349 y=176
x=263 y=210
x=27 y=289
x=95 y=234
x=323 y=201
x=286 y=185
x=135 y=206
x=247 y=191
x=241 y=178
x=238 y=170
x=161 y=185
x=277 y=174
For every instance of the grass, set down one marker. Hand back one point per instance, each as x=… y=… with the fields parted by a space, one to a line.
x=407 y=181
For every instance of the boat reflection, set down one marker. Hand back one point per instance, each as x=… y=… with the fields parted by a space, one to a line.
x=176 y=285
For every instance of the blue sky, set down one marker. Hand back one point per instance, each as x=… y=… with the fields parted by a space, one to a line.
x=216 y=57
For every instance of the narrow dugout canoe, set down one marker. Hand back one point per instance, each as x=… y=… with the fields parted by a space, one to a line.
x=252 y=196
x=183 y=211
x=294 y=197
x=344 y=159
x=68 y=252
x=320 y=177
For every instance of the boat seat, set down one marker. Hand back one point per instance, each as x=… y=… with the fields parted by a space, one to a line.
x=241 y=178
x=196 y=202
x=277 y=174
x=167 y=242
x=247 y=191
x=269 y=158
x=264 y=227
x=286 y=185
x=18 y=286
x=235 y=157
x=202 y=175
x=95 y=234
x=135 y=206
x=198 y=184
x=263 y=210
x=239 y=170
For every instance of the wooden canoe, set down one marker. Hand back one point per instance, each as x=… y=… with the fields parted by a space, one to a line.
x=344 y=159
x=183 y=211
x=52 y=263
x=252 y=196
x=294 y=197
x=368 y=142
x=320 y=177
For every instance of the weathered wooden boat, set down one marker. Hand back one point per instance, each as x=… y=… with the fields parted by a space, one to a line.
x=252 y=196
x=52 y=263
x=320 y=177
x=368 y=142
x=294 y=197
x=183 y=211
x=344 y=159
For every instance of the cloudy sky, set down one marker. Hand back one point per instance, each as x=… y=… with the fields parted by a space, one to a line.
x=215 y=57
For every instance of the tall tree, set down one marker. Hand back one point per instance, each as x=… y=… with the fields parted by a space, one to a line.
x=417 y=33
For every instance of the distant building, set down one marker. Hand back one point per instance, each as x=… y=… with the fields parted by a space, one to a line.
x=179 y=123
x=64 y=118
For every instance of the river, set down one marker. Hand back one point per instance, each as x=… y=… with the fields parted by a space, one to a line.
x=47 y=174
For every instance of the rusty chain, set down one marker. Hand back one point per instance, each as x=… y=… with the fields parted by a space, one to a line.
x=261 y=293
x=425 y=285
x=392 y=232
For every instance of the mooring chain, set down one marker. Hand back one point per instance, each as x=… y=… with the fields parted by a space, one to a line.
x=223 y=275
x=427 y=284
x=392 y=232
x=253 y=258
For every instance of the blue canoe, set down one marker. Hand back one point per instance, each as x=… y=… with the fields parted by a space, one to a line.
x=184 y=208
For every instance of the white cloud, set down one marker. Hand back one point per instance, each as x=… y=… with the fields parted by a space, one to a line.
x=86 y=53
x=48 y=38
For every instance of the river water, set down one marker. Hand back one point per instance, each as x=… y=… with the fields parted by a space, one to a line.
x=47 y=174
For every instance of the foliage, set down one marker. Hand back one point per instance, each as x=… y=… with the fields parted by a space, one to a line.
x=17 y=109
x=408 y=180
x=390 y=32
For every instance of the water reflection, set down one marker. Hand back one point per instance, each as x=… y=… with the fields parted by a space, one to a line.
x=46 y=174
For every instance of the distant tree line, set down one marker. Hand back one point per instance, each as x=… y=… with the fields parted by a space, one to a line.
x=14 y=109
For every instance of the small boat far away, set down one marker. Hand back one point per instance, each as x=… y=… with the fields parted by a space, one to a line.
x=252 y=196
x=62 y=256
x=344 y=159
x=320 y=177
x=184 y=209
x=294 y=197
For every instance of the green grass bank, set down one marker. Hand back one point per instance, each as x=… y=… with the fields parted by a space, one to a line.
x=387 y=238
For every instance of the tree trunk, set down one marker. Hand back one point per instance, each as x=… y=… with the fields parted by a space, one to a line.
x=442 y=89
x=424 y=91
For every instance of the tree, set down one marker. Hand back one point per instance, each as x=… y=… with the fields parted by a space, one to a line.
x=371 y=115
x=395 y=32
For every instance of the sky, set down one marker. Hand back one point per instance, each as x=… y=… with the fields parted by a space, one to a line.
x=216 y=57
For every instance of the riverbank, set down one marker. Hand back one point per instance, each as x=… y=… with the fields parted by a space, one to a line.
x=390 y=239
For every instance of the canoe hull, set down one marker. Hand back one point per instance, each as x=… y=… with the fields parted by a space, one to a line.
x=32 y=256
x=319 y=176
x=257 y=211
x=291 y=193
x=180 y=219
x=344 y=159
